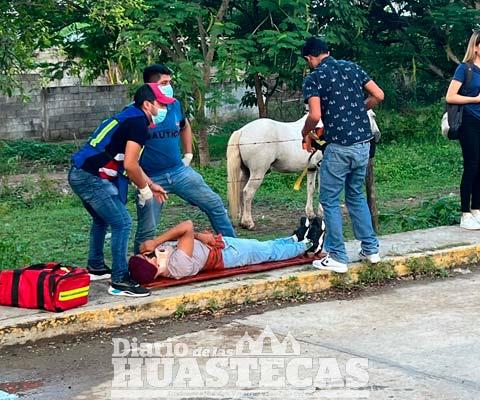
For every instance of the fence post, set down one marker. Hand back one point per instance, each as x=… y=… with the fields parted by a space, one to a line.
x=371 y=193
x=43 y=96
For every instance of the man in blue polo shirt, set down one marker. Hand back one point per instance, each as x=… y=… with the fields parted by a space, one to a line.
x=162 y=161
x=335 y=93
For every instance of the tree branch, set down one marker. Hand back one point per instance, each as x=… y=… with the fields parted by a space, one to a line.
x=177 y=47
x=450 y=54
x=203 y=36
x=213 y=43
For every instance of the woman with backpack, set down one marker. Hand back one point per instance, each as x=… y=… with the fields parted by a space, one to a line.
x=468 y=95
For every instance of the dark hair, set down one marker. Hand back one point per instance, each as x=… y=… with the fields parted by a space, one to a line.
x=143 y=93
x=152 y=73
x=314 y=47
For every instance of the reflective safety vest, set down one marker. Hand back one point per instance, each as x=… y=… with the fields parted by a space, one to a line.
x=97 y=143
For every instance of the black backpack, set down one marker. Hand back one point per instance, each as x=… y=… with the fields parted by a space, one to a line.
x=455 y=111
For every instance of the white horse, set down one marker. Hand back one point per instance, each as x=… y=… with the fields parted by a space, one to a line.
x=266 y=144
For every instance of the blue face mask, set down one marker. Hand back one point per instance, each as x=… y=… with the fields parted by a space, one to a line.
x=160 y=117
x=167 y=90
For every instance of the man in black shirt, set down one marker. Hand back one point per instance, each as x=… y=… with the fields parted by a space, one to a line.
x=334 y=91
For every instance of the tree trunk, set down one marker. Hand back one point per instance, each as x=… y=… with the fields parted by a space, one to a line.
x=262 y=109
x=371 y=193
x=201 y=122
x=203 y=150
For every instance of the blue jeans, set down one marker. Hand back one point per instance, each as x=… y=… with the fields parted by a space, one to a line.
x=239 y=252
x=100 y=198
x=189 y=185
x=344 y=168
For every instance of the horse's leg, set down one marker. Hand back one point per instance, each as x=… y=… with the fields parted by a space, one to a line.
x=311 y=176
x=320 y=208
x=243 y=176
x=249 y=191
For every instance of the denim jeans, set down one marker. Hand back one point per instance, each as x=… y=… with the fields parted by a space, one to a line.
x=189 y=185
x=239 y=252
x=100 y=198
x=344 y=168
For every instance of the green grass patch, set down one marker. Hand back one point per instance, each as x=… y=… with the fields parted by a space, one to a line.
x=424 y=266
x=23 y=156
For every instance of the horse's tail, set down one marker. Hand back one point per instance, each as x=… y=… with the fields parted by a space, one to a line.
x=234 y=165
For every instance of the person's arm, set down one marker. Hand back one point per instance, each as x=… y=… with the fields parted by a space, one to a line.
x=375 y=94
x=137 y=176
x=453 y=97
x=314 y=116
x=183 y=233
x=186 y=137
x=207 y=238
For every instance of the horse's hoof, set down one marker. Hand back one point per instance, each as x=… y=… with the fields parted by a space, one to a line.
x=249 y=226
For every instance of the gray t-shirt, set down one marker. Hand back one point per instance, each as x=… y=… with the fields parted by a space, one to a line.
x=181 y=265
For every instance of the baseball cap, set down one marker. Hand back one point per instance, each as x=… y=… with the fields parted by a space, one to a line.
x=141 y=270
x=151 y=92
x=161 y=98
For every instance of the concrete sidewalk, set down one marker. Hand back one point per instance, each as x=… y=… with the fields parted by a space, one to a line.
x=442 y=247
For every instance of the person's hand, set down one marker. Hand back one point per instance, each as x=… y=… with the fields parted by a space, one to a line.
x=187 y=159
x=307 y=144
x=159 y=193
x=207 y=238
x=148 y=246
x=144 y=195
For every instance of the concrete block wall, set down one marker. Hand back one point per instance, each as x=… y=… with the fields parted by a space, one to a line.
x=59 y=113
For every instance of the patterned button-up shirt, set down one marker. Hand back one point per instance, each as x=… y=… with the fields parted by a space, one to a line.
x=339 y=85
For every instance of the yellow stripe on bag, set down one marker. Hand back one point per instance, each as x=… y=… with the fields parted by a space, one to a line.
x=103 y=133
x=74 y=293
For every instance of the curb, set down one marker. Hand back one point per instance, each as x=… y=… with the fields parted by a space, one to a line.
x=234 y=293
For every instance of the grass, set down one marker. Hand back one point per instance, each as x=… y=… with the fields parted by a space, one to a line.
x=414 y=179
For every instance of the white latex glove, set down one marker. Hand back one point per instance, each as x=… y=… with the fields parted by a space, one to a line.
x=144 y=195
x=187 y=159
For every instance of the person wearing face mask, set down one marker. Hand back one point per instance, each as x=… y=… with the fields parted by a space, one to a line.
x=99 y=177
x=162 y=160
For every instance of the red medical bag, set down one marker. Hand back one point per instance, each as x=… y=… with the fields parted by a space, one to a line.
x=50 y=286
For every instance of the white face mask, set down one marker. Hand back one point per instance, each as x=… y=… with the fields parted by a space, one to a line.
x=167 y=90
x=160 y=117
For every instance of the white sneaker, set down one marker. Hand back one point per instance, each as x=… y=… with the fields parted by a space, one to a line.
x=328 y=263
x=372 y=258
x=476 y=215
x=468 y=221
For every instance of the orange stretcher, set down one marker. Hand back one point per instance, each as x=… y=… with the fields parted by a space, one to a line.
x=224 y=273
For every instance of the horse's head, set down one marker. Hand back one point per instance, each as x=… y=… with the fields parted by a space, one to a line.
x=373 y=125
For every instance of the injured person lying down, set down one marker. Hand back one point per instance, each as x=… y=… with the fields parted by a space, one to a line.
x=181 y=252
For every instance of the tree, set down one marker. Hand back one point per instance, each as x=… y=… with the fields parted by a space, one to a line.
x=187 y=35
x=22 y=31
x=267 y=45
x=411 y=47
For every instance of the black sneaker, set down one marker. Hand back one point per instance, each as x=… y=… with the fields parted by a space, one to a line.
x=316 y=233
x=99 y=271
x=128 y=287
x=302 y=229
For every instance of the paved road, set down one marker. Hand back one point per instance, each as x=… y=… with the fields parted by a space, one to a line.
x=416 y=341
